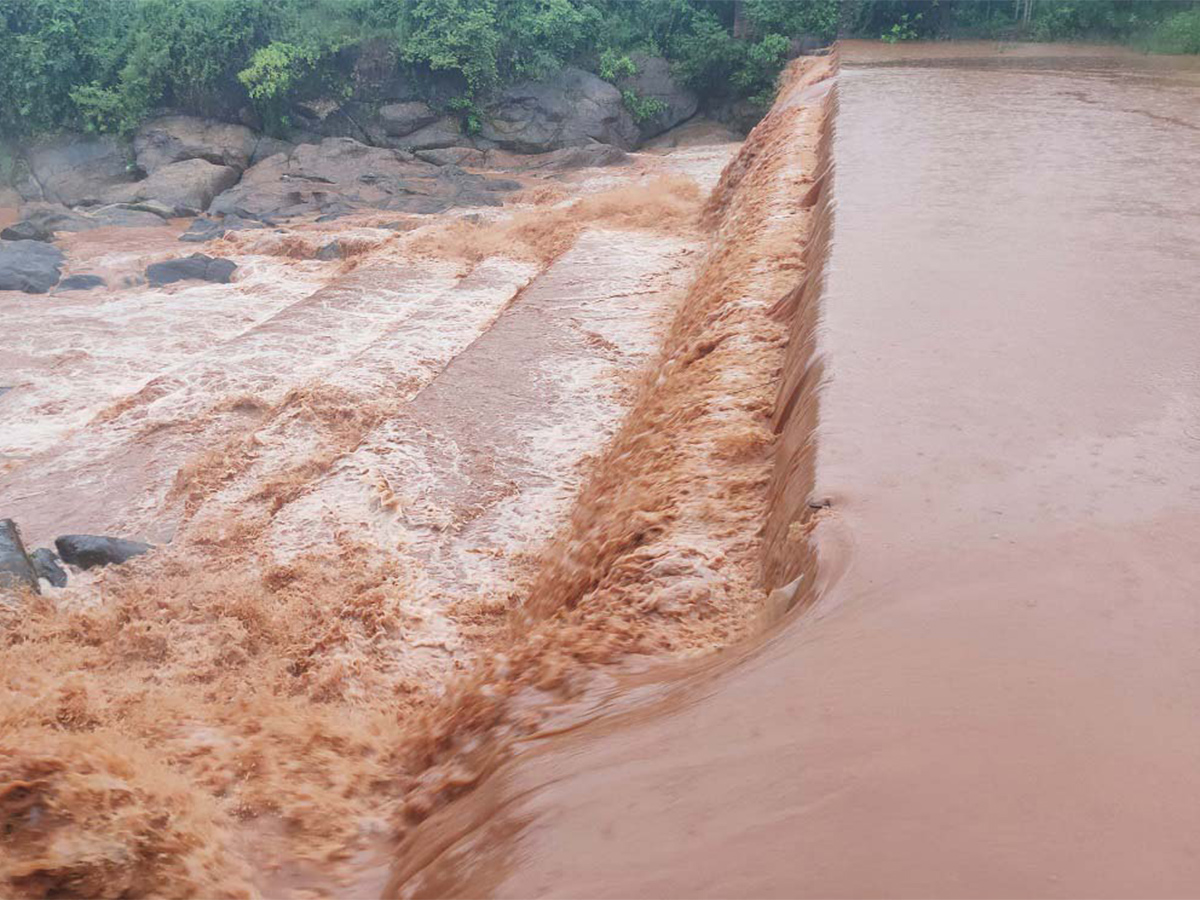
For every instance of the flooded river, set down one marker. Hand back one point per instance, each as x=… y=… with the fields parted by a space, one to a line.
x=988 y=483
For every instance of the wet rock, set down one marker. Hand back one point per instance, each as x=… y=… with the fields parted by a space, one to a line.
x=16 y=568
x=80 y=283
x=86 y=551
x=30 y=266
x=400 y=119
x=452 y=156
x=173 y=139
x=186 y=187
x=26 y=231
x=205 y=229
x=572 y=109
x=332 y=250
x=341 y=175
x=45 y=564
x=653 y=81
x=196 y=267
x=76 y=170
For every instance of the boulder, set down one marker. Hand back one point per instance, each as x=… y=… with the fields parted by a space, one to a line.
x=205 y=229
x=80 y=283
x=26 y=231
x=77 y=171
x=45 y=564
x=85 y=551
x=16 y=568
x=653 y=81
x=187 y=187
x=571 y=109
x=399 y=119
x=196 y=267
x=340 y=175
x=174 y=139
x=445 y=132
x=30 y=266
x=54 y=217
x=331 y=251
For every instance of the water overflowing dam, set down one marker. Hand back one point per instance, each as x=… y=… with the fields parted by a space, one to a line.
x=808 y=516
x=987 y=484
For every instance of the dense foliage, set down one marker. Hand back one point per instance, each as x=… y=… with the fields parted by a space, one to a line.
x=103 y=65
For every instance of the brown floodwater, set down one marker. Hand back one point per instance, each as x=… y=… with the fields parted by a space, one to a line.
x=988 y=482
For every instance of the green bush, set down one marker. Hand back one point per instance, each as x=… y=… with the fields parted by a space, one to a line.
x=1178 y=34
x=643 y=109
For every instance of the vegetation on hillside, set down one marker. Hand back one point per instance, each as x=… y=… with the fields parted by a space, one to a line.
x=104 y=65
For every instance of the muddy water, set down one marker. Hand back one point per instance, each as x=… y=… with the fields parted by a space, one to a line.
x=349 y=468
x=992 y=398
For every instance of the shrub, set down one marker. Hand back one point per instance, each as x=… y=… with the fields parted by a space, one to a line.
x=1179 y=33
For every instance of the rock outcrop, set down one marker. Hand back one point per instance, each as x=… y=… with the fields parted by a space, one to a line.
x=574 y=108
x=30 y=266
x=186 y=187
x=16 y=568
x=196 y=267
x=76 y=170
x=339 y=175
x=84 y=551
x=400 y=119
x=173 y=139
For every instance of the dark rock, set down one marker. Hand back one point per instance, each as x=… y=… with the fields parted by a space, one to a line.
x=81 y=283
x=196 y=267
x=75 y=170
x=209 y=229
x=653 y=81
x=26 y=231
x=400 y=119
x=45 y=564
x=173 y=139
x=187 y=187
x=29 y=266
x=88 y=550
x=16 y=568
x=332 y=250
x=572 y=109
